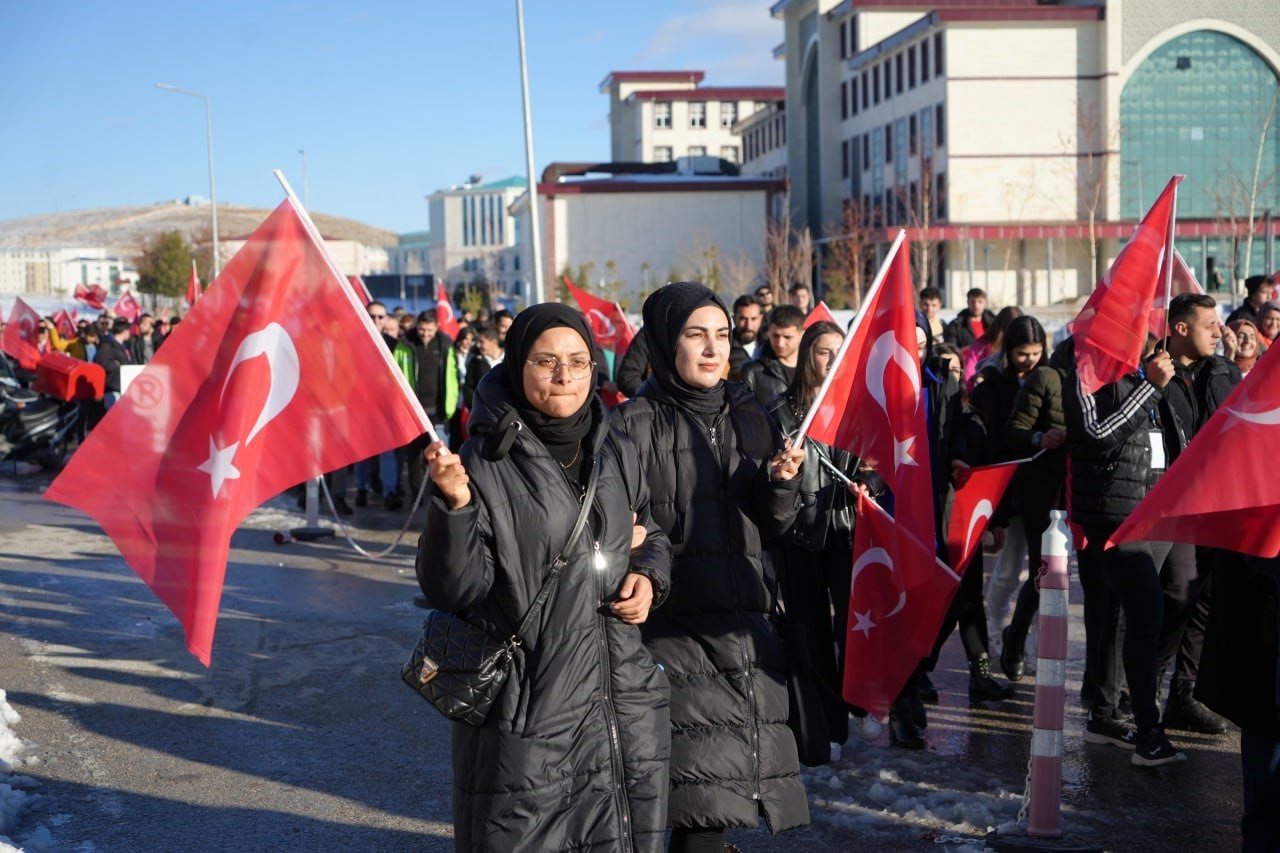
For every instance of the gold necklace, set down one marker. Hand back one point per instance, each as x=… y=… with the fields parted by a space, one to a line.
x=576 y=453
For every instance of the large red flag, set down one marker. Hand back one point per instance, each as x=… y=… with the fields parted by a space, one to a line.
x=270 y=380
x=193 y=285
x=66 y=325
x=820 y=314
x=95 y=297
x=978 y=493
x=1110 y=331
x=872 y=404
x=1184 y=281
x=1219 y=492
x=446 y=318
x=898 y=596
x=609 y=323
x=127 y=307
x=21 y=334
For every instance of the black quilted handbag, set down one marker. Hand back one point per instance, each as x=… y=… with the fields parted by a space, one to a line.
x=459 y=667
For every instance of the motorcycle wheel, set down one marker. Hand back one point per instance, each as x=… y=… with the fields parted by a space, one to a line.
x=51 y=457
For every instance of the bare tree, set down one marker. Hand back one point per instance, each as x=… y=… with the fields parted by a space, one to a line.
x=1093 y=146
x=741 y=273
x=848 y=247
x=1254 y=187
x=788 y=255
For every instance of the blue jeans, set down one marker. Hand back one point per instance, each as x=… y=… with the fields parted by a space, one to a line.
x=388 y=468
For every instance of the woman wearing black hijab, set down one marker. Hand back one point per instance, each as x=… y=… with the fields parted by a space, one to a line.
x=722 y=488
x=574 y=754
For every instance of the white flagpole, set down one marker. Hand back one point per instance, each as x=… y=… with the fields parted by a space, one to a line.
x=849 y=336
x=1168 y=257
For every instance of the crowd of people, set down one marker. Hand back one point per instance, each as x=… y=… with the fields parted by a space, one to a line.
x=652 y=692
x=738 y=534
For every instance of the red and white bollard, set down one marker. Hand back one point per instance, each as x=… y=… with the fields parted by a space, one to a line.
x=1051 y=676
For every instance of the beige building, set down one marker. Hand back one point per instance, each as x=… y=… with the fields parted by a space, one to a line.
x=56 y=272
x=1018 y=143
x=634 y=231
x=660 y=116
x=473 y=234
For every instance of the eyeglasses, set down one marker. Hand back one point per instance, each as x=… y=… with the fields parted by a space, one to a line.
x=545 y=367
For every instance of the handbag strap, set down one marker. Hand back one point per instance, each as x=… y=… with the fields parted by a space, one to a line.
x=559 y=562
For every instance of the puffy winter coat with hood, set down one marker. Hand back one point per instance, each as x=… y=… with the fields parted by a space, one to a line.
x=733 y=758
x=574 y=755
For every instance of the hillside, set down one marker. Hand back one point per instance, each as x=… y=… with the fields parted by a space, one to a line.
x=128 y=228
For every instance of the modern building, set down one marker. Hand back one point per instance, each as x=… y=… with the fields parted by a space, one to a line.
x=660 y=116
x=1019 y=141
x=411 y=255
x=473 y=234
x=56 y=272
x=631 y=227
x=764 y=141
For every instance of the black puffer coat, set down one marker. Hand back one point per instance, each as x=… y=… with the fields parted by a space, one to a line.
x=733 y=757
x=1109 y=448
x=825 y=503
x=574 y=755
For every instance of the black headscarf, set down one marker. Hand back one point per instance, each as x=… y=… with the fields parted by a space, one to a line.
x=665 y=313
x=561 y=436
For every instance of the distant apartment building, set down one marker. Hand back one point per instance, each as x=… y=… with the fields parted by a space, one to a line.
x=1019 y=142
x=56 y=272
x=411 y=255
x=660 y=116
x=473 y=235
x=764 y=141
x=637 y=228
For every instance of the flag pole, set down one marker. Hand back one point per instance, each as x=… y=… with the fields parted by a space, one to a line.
x=1168 y=256
x=876 y=283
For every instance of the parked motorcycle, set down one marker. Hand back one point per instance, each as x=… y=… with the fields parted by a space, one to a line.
x=33 y=427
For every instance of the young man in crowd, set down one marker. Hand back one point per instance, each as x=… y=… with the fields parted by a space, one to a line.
x=931 y=307
x=972 y=321
x=771 y=373
x=746 y=331
x=801 y=296
x=1259 y=290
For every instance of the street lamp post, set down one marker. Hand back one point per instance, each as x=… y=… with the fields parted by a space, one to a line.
x=213 y=192
x=306 y=190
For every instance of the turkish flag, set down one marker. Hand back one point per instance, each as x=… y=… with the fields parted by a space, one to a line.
x=898 y=596
x=1109 y=331
x=193 y=285
x=269 y=381
x=1219 y=492
x=66 y=325
x=978 y=493
x=446 y=318
x=362 y=292
x=21 y=335
x=872 y=404
x=609 y=323
x=127 y=307
x=95 y=297
x=820 y=314
x=1184 y=281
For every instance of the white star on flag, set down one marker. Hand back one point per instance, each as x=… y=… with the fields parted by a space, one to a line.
x=902 y=452
x=218 y=466
x=864 y=623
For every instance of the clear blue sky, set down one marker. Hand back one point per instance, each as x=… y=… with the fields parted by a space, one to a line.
x=390 y=100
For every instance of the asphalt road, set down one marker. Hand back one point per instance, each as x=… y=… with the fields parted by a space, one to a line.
x=302 y=737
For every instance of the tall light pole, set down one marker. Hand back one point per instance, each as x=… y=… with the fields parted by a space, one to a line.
x=213 y=192
x=306 y=190
x=535 y=232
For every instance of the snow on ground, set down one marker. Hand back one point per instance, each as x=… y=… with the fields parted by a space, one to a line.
x=15 y=788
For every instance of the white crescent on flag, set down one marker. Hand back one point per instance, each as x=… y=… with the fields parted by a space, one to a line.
x=887 y=348
x=872 y=556
x=981 y=511
x=601 y=325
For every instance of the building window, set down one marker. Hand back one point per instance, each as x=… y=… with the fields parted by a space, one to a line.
x=911 y=66
x=729 y=152
x=864 y=90
x=697 y=151
x=939 y=126
x=888 y=143
x=844 y=99
x=728 y=113
x=698 y=115
x=897 y=72
x=844 y=36
x=844 y=159
x=888 y=207
x=662 y=153
x=940 y=197
x=853 y=101
x=866 y=151
x=782 y=130
x=888 y=79
x=937 y=55
x=913 y=143
x=662 y=114
x=924 y=61
x=875 y=84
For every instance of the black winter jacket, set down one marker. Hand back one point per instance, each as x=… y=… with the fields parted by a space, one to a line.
x=733 y=757
x=826 y=507
x=1108 y=446
x=960 y=331
x=766 y=377
x=575 y=754
x=633 y=368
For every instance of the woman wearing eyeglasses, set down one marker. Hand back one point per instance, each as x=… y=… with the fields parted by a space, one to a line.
x=574 y=754
x=722 y=487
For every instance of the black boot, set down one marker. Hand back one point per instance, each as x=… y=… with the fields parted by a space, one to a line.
x=982 y=687
x=902 y=728
x=928 y=693
x=1013 y=652
x=1185 y=712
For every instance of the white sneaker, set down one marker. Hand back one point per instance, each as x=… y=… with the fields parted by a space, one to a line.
x=835 y=752
x=868 y=728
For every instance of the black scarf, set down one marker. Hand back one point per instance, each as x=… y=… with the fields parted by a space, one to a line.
x=562 y=437
x=665 y=313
